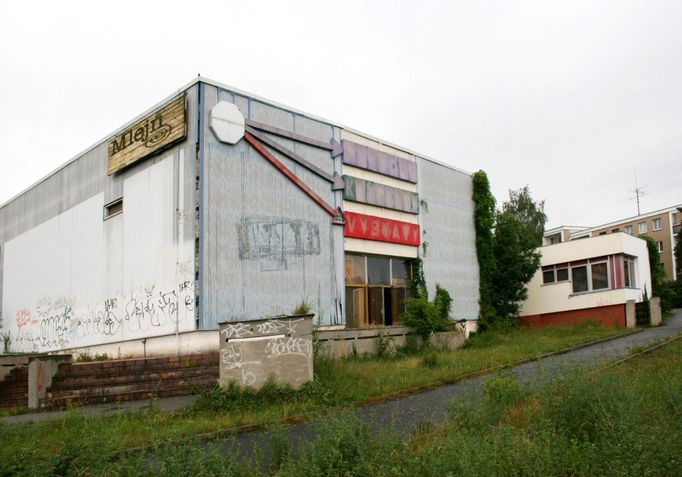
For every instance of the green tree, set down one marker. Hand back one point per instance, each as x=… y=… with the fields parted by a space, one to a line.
x=516 y=258
x=678 y=254
x=484 y=223
x=678 y=269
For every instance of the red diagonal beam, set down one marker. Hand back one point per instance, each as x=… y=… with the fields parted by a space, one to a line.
x=335 y=213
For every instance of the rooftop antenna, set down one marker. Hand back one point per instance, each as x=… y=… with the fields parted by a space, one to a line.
x=639 y=192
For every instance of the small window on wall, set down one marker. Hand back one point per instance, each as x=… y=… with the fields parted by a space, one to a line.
x=659 y=244
x=658 y=224
x=600 y=276
x=562 y=274
x=579 y=275
x=629 y=272
x=643 y=228
x=628 y=230
x=548 y=276
x=113 y=208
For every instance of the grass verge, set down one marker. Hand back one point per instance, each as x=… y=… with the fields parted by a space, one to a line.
x=338 y=384
x=624 y=420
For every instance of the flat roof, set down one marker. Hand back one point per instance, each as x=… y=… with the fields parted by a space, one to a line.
x=201 y=79
x=634 y=218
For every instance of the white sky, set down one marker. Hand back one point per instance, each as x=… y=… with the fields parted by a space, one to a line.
x=568 y=97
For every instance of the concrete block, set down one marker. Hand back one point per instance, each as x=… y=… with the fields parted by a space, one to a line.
x=41 y=370
x=630 y=314
x=450 y=340
x=655 y=311
x=253 y=351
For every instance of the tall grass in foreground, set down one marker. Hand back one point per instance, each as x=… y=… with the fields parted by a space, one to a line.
x=624 y=421
x=90 y=443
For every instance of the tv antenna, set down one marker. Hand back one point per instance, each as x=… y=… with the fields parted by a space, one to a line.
x=639 y=192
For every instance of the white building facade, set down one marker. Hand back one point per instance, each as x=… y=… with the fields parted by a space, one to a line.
x=588 y=279
x=216 y=205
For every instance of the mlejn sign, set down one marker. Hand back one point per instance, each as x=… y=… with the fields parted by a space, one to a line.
x=152 y=133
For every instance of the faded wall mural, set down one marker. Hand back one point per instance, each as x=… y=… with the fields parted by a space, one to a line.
x=272 y=240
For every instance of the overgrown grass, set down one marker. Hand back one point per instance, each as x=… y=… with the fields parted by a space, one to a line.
x=623 y=421
x=73 y=442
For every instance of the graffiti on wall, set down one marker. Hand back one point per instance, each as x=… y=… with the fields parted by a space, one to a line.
x=60 y=322
x=272 y=240
x=249 y=351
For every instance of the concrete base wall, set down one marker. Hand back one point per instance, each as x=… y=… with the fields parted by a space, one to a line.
x=338 y=344
x=191 y=342
x=611 y=316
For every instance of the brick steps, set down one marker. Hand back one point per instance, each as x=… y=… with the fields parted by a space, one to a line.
x=123 y=377
x=14 y=388
x=131 y=379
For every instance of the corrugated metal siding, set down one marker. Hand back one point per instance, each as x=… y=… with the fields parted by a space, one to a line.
x=373 y=193
x=372 y=159
x=268 y=246
x=449 y=238
x=86 y=177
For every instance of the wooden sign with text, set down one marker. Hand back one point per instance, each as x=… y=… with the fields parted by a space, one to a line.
x=149 y=135
x=370 y=227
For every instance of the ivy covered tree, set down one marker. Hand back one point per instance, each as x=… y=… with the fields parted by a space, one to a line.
x=678 y=269
x=484 y=223
x=655 y=265
x=678 y=254
x=506 y=242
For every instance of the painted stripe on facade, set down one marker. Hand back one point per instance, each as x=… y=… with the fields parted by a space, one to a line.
x=368 y=192
x=384 y=163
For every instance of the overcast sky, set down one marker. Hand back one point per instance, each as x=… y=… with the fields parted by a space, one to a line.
x=572 y=98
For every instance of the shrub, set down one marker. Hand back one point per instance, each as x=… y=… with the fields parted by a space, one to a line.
x=427 y=317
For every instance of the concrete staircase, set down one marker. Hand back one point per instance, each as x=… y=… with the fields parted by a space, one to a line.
x=130 y=379
x=14 y=388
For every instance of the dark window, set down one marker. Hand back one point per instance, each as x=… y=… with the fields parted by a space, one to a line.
x=378 y=271
x=113 y=208
x=600 y=277
x=579 y=277
x=629 y=272
x=562 y=274
x=548 y=276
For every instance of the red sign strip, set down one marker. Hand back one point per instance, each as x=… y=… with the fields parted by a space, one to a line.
x=370 y=227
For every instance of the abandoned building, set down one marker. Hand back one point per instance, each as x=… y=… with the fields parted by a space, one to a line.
x=216 y=205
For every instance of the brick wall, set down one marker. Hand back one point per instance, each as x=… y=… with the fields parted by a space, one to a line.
x=611 y=316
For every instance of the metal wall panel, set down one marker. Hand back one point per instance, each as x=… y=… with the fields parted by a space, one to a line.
x=369 y=158
x=66 y=197
x=449 y=237
x=368 y=192
x=267 y=245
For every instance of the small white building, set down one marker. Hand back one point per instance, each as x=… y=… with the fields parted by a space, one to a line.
x=589 y=279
